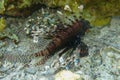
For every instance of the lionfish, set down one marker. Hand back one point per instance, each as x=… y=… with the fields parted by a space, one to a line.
x=66 y=37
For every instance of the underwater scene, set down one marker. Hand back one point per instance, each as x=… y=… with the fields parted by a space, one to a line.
x=59 y=40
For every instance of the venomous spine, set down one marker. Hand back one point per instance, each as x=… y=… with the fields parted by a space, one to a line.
x=63 y=37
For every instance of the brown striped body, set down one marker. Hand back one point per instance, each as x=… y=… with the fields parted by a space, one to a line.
x=63 y=37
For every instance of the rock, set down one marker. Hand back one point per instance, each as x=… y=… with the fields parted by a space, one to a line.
x=30 y=70
x=67 y=75
x=3 y=69
x=2 y=75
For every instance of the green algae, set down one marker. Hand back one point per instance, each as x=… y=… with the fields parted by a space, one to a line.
x=99 y=12
x=9 y=34
x=2 y=24
x=2 y=7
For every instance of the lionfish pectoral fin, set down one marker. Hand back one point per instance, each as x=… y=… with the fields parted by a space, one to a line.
x=66 y=50
x=42 y=61
x=82 y=49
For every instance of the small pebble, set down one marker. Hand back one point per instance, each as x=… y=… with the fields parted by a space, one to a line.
x=110 y=54
x=3 y=69
x=30 y=70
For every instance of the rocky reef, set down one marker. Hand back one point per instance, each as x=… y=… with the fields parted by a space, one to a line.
x=97 y=12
